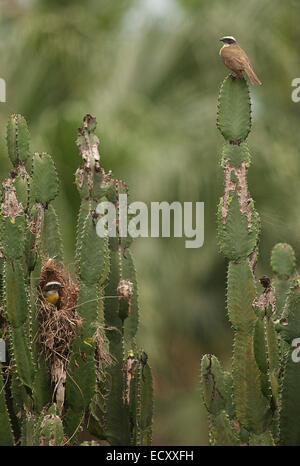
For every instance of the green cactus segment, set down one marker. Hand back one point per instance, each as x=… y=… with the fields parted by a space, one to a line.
x=32 y=240
x=50 y=235
x=235 y=155
x=21 y=185
x=212 y=383
x=95 y=423
x=73 y=421
x=13 y=238
x=146 y=407
x=42 y=392
x=237 y=231
x=17 y=139
x=229 y=407
x=273 y=357
x=250 y=404
x=12 y=223
x=42 y=387
x=88 y=306
x=241 y=292
x=15 y=294
x=117 y=419
x=82 y=182
x=289 y=402
x=51 y=431
x=267 y=357
x=132 y=396
x=217 y=392
x=16 y=307
x=261 y=357
x=290 y=328
x=283 y=260
x=44 y=186
x=37 y=429
x=283 y=265
x=121 y=304
x=34 y=307
x=128 y=407
x=262 y=440
x=22 y=356
x=289 y=429
x=85 y=208
x=234 y=110
x=6 y=434
x=28 y=431
x=260 y=350
x=282 y=289
x=141 y=403
x=223 y=431
x=19 y=397
x=252 y=408
x=290 y=407
x=93 y=254
x=112 y=319
x=81 y=383
x=121 y=192
x=81 y=376
x=127 y=290
x=237 y=240
x=238 y=222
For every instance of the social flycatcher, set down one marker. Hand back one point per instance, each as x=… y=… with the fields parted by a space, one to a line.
x=234 y=57
x=51 y=292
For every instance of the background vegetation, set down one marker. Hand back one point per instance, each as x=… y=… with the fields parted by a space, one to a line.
x=149 y=71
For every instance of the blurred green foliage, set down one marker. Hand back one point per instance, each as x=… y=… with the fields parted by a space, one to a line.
x=150 y=72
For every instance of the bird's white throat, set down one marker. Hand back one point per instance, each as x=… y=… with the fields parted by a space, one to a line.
x=225 y=45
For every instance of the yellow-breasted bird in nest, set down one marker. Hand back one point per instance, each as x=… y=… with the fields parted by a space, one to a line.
x=51 y=292
x=234 y=57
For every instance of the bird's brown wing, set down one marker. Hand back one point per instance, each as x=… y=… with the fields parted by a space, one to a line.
x=234 y=58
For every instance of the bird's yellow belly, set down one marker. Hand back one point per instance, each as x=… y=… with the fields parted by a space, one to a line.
x=52 y=298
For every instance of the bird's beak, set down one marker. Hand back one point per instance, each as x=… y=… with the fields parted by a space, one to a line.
x=222 y=38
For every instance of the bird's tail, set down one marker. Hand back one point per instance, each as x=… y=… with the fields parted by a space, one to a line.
x=251 y=75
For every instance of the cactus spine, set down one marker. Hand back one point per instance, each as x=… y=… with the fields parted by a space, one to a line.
x=256 y=403
x=73 y=365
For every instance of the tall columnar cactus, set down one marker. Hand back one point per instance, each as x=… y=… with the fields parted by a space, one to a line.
x=72 y=365
x=255 y=404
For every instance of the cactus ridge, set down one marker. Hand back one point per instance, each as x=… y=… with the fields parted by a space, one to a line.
x=17 y=138
x=234 y=110
x=44 y=179
x=283 y=260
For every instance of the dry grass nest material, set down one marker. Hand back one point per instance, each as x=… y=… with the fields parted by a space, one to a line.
x=59 y=324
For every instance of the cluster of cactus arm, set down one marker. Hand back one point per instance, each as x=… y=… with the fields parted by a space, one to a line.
x=104 y=386
x=256 y=402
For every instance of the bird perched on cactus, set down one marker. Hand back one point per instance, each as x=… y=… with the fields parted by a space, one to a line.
x=234 y=57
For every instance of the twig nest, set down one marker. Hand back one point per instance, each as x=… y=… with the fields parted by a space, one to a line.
x=58 y=323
